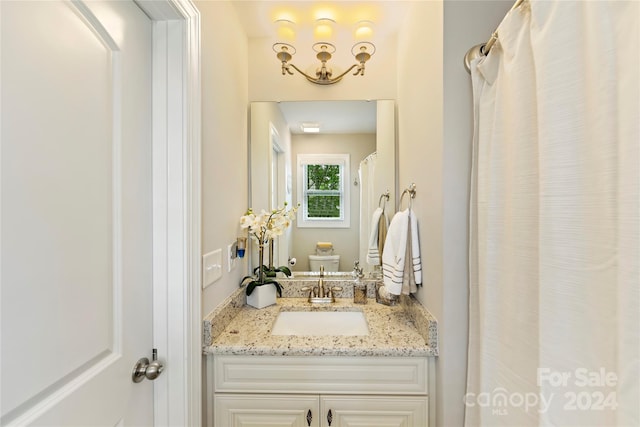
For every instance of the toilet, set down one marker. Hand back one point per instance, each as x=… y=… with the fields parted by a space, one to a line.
x=324 y=256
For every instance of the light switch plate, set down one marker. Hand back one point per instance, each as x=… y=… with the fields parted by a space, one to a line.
x=211 y=267
x=232 y=259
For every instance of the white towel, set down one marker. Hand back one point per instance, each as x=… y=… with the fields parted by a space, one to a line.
x=379 y=224
x=401 y=262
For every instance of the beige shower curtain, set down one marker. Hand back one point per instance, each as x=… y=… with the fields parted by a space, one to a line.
x=554 y=253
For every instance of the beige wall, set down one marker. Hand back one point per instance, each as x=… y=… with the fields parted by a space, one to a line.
x=435 y=132
x=266 y=117
x=225 y=106
x=346 y=241
x=420 y=150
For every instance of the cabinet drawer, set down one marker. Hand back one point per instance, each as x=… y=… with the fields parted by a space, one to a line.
x=392 y=411
x=362 y=375
x=239 y=410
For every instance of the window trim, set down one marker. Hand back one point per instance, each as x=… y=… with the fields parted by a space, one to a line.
x=342 y=160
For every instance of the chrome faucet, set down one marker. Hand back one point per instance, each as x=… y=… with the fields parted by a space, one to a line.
x=321 y=290
x=320 y=293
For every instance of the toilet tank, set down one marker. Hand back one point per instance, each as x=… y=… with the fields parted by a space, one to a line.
x=330 y=262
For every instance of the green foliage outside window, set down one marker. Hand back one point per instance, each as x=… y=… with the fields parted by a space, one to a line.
x=323 y=177
x=323 y=191
x=320 y=206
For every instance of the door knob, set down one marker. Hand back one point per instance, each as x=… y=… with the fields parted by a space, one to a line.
x=145 y=369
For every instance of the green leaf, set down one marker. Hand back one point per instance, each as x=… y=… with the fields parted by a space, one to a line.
x=245 y=278
x=284 y=269
x=277 y=285
x=251 y=286
x=278 y=288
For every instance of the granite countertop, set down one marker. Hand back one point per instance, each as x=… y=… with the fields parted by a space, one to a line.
x=406 y=329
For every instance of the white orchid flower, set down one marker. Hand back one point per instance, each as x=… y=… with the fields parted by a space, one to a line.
x=266 y=226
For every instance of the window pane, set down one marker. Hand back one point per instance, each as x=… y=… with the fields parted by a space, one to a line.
x=323 y=177
x=323 y=206
x=323 y=199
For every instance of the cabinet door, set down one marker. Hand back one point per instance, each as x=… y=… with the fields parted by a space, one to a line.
x=261 y=410
x=374 y=411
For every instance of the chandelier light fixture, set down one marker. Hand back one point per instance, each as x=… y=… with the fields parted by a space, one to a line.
x=361 y=51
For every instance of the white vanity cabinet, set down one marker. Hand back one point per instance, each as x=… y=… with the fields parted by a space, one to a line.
x=319 y=391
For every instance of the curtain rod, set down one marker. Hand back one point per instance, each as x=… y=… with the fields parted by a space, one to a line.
x=484 y=48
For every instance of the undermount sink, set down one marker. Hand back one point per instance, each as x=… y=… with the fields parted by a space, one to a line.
x=320 y=323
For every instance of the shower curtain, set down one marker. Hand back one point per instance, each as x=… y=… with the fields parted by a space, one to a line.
x=368 y=203
x=554 y=246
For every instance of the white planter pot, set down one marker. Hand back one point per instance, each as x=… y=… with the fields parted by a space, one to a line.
x=262 y=296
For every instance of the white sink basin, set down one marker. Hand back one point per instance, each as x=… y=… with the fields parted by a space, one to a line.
x=318 y=323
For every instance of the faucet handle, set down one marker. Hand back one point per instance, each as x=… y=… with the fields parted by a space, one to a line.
x=331 y=292
x=308 y=288
x=357 y=269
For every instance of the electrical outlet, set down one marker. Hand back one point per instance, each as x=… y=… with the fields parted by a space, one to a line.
x=211 y=267
x=232 y=259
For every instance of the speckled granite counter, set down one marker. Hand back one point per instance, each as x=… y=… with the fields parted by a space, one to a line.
x=406 y=329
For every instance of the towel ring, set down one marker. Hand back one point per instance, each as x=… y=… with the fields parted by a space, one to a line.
x=411 y=191
x=386 y=197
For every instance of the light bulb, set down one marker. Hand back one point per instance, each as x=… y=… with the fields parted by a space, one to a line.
x=285 y=30
x=364 y=30
x=324 y=29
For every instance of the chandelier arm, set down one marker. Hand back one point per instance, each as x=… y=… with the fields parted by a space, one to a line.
x=285 y=67
x=301 y=72
x=321 y=81
x=343 y=74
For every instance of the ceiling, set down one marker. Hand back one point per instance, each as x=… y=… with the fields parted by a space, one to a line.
x=332 y=116
x=257 y=18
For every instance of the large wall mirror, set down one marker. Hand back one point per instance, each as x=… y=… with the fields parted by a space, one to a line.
x=354 y=153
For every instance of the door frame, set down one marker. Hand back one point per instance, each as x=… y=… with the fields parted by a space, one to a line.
x=176 y=120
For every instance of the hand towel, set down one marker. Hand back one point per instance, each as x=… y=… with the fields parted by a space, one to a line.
x=378 y=230
x=401 y=262
x=383 y=225
x=412 y=276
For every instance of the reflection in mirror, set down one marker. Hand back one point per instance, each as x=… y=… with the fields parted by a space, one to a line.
x=337 y=174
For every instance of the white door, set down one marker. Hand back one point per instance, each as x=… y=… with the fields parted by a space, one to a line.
x=76 y=209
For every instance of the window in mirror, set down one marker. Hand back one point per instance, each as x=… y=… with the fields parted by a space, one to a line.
x=321 y=190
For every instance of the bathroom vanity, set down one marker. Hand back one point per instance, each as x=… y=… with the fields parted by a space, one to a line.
x=319 y=391
x=302 y=374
